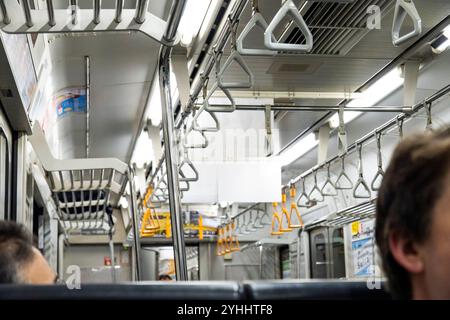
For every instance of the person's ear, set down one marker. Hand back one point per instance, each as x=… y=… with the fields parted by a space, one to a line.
x=406 y=252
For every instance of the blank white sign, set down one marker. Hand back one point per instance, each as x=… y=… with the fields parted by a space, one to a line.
x=242 y=181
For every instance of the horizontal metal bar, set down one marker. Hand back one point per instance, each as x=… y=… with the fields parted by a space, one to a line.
x=370 y=136
x=321 y=108
x=245 y=211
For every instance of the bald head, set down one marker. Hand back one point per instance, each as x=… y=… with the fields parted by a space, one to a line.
x=20 y=261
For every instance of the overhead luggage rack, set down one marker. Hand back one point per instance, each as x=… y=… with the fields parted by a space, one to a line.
x=365 y=210
x=82 y=189
x=20 y=18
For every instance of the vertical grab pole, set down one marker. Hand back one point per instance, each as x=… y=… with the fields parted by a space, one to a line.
x=27 y=13
x=51 y=13
x=97 y=9
x=119 y=10
x=170 y=144
x=135 y=224
x=6 y=19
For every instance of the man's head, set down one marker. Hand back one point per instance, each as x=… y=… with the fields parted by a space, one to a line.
x=413 y=218
x=20 y=261
x=165 y=277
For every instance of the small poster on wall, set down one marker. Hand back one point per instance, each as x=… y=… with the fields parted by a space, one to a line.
x=363 y=247
x=70 y=100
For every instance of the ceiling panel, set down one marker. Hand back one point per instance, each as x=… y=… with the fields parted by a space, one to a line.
x=122 y=71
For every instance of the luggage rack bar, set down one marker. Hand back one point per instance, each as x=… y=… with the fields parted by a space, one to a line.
x=21 y=19
x=83 y=189
x=365 y=210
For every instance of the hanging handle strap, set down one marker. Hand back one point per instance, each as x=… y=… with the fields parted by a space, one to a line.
x=303 y=201
x=316 y=189
x=257 y=20
x=380 y=171
x=343 y=181
x=285 y=215
x=402 y=9
x=361 y=182
x=294 y=209
x=288 y=9
x=235 y=57
x=196 y=126
x=429 y=126
x=276 y=221
x=330 y=183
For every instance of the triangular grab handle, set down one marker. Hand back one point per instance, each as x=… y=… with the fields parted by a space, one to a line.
x=288 y=8
x=210 y=108
x=235 y=56
x=402 y=9
x=257 y=20
x=196 y=126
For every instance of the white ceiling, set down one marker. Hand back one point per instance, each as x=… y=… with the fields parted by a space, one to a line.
x=122 y=71
x=123 y=67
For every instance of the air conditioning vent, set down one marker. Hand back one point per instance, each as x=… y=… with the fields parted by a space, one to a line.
x=337 y=27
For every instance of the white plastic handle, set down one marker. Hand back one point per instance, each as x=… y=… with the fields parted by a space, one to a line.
x=288 y=8
x=184 y=178
x=403 y=8
x=235 y=56
x=196 y=126
x=210 y=108
x=257 y=20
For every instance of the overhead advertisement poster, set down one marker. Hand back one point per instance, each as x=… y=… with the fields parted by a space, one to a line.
x=19 y=56
x=70 y=100
x=363 y=247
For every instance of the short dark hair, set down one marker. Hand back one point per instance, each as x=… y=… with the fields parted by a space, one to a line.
x=16 y=250
x=165 y=277
x=412 y=185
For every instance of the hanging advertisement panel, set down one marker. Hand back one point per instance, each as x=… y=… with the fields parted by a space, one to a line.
x=19 y=56
x=363 y=247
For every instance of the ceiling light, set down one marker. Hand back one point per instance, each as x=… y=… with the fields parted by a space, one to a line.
x=143 y=153
x=297 y=150
x=441 y=43
x=371 y=96
x=192 y=19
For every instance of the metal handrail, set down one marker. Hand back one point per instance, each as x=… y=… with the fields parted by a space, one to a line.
x=396 y=121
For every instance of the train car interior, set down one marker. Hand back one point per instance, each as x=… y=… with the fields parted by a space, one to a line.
x=211 y=149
